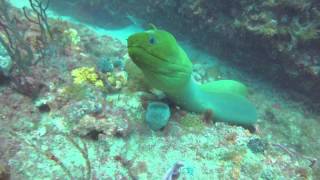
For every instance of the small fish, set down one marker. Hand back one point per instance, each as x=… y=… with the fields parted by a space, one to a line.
x=174 y=172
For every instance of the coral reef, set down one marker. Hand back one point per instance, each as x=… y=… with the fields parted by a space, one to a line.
x=280 y=37
x=70 y=129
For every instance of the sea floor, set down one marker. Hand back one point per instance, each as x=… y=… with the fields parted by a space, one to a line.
x=70 y=133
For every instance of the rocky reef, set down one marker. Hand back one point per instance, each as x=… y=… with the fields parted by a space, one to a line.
x=79 y=108
x=278 y=39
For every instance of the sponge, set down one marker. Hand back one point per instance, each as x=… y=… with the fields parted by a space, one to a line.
x=157 y=115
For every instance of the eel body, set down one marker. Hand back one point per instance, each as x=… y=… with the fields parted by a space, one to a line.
x=167 y=67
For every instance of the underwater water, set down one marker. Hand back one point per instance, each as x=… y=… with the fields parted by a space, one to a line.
x=149 y=89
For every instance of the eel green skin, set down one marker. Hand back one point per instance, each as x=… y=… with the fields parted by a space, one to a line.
x=167 y=67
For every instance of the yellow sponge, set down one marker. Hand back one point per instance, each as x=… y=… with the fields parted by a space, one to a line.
x=86 y=75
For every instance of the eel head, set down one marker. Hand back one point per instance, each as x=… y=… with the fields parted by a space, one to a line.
x=163 y=62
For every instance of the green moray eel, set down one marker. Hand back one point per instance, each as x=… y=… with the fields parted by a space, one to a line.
x=167 y=67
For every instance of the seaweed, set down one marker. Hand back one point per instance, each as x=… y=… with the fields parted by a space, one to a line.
x=11 y=37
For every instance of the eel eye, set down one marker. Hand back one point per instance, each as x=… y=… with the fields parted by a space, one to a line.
x=152 y=40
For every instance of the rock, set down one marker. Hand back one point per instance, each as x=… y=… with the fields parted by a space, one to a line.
x=90 y=127
x=30 y=86
x=5 y=61
x=157 y=115
x=43 y=103
x=257 y=145
x=77 y=110
x=270 y=116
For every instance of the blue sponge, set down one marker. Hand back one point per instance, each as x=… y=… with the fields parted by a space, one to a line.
x=104 y=65
x=157 y=115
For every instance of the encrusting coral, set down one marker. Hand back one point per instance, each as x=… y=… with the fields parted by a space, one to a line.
x=86 y=75
x=71 y=36
x=110 y=81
